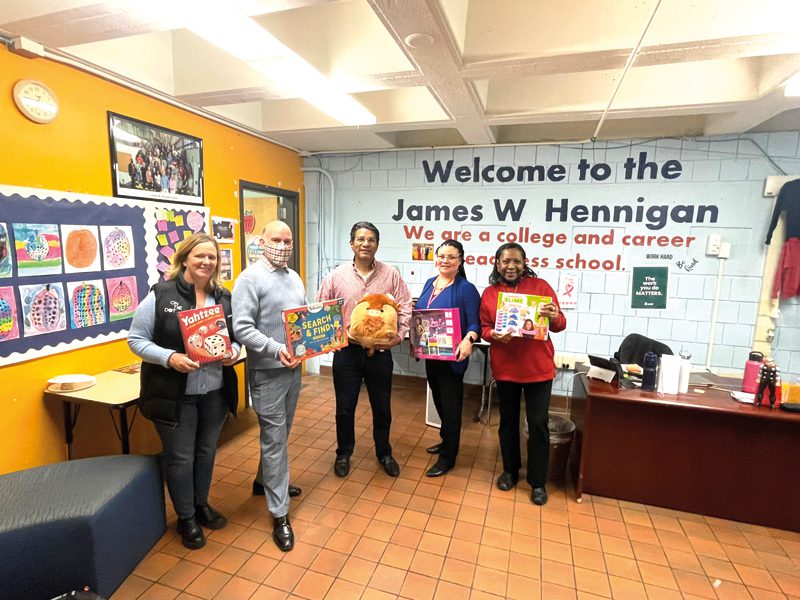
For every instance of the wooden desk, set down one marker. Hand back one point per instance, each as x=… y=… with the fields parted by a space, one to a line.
x=115 y=390
x=701 y=453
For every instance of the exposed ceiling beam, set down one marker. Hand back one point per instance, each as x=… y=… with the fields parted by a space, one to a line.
x=438 y=62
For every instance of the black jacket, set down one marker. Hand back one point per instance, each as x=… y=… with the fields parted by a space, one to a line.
x=163 y=389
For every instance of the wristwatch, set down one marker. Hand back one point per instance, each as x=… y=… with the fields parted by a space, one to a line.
x=472 y=339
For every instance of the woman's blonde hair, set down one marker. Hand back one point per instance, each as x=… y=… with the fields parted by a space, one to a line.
x=184 y=249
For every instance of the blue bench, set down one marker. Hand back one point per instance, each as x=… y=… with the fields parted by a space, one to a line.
x=78 y=523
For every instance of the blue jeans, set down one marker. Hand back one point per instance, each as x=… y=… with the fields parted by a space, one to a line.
x=351 y=366
x=190 y=449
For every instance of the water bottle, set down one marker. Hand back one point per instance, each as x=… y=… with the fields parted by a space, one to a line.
x=751 y=367
x=686 y=370
x=649 y=372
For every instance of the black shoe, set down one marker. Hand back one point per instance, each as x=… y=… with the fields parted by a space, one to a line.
x=208 y=517
x=282 y=534
x=294 y=491
x=390 y=465
x=341 y=467
x=258 y=488
x=506 y=481
x=435 y=449
x=539 y=496
x=438 y=469
x=191 y=533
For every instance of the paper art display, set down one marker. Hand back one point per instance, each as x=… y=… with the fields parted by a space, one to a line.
x=172 y=227
x=81 y=248
x=38 y=249
x=118 y=250
x=9 y=329
x=518 y=314
x=205 y=333
x=87 y=303
x=314 y=329
x=43 y=308
x=435 y=333
x=5 y=252
x=122 y=297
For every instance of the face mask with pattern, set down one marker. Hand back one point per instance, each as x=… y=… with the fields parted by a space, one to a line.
x=278 y=253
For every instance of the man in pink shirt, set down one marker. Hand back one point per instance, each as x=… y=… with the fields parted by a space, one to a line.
x=352 y=364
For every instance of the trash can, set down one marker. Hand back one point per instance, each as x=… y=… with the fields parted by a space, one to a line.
x=562 y=430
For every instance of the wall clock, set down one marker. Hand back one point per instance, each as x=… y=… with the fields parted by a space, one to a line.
x=35 y=100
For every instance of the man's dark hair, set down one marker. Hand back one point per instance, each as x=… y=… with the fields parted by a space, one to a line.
x=364 y=225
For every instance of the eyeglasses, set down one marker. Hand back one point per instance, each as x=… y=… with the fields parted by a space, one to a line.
x=363 y=240
x=447 y=257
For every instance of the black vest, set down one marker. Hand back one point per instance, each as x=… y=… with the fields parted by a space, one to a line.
x=163 y=389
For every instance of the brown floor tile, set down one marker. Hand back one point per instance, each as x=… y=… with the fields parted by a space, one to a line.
x=592 y=582
x=313 y=586
x=387 y=579
x=154 y=566
x=451 y=591
x=236 y=589
x=257 y=568
x=357 y=570
x=328 y=562
x=344 y=590
x=208 y=583
x=181 y=575
x=418 y=587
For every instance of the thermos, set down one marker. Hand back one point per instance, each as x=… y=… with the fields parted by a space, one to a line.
x=649 y=372
x=751 y=367
x=686 y=370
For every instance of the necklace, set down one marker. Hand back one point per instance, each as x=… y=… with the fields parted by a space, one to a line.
x=437 y=290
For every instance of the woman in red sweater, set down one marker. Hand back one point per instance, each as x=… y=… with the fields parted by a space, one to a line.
x=521 y=364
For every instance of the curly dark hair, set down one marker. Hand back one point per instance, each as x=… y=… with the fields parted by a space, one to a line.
x=494 y=276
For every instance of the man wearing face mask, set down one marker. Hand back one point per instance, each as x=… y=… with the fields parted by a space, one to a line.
x=261 y=293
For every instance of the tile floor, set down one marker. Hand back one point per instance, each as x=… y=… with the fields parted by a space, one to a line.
x=457 y=537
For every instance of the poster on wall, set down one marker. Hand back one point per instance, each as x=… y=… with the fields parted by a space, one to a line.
x=649 y=287
x=225 y=264
x=154 y=163
x=223 y=229
x=83 y=264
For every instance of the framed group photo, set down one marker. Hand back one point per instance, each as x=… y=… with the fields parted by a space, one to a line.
x=154 y=163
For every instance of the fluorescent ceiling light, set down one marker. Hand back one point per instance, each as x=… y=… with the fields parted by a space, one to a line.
x=230 y=30
x=792 y=86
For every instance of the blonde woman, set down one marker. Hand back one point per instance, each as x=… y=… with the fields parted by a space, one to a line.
x=187 y=401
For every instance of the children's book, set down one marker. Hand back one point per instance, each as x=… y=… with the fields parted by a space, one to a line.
x=205 y=334
x=315 y=329
x=519 y=314
x=435 y=333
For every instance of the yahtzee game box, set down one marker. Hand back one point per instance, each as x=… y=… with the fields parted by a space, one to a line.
x=205 y=333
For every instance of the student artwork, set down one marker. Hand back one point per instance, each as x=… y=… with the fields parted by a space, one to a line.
x=43 y=308
x=254 y=249
x=9 y=330
x=5 y=253
x=38 y=249
x=223 y=229
x=249 y=222
x=81 y=248
x=122 y=297
x=87 y=303
x=118 y=248
x=172 y=227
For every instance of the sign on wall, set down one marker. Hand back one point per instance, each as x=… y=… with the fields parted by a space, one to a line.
x=649 y=287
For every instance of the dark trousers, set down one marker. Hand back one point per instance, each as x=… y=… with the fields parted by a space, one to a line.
x=351 y=366
x=190 y=449
x=537 y=404
x=447 y=389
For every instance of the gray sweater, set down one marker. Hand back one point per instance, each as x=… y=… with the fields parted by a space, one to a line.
x=259 y=297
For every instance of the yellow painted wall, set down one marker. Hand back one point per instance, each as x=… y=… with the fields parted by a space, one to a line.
x=72 y=154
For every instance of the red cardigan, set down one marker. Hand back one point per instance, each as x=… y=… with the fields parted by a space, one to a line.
x=520 y=360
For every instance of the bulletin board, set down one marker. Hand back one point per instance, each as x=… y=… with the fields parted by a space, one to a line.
x=74 y=267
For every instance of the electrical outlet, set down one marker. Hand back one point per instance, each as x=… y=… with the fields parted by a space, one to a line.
x=713 y=242
x=725 y=250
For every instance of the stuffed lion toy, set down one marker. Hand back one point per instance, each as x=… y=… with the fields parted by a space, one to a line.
x=374 y=320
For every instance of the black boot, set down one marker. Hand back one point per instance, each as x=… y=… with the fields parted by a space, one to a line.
x=191 y=533
x=208 y=517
